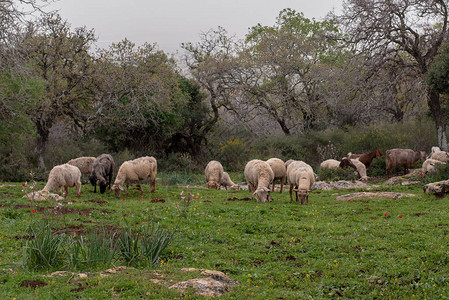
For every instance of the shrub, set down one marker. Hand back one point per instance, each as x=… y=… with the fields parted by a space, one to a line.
x=45 y=249
x=377 y=167
x=234 y=154
x=335 y=174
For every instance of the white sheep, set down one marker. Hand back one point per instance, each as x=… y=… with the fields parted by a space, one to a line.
x=441 y=156
x=429 y=165
x=300 y=177
x=288 y=162
x=84 y=163
x=259 y=176
x=214 y=172
x=227 y=182
x=279 y=170
x=330 y=163
x=433 y=150
x=361 y=168
x=62 y=176
x=136 y=170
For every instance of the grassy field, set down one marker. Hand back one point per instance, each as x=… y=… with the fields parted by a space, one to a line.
x=370 y=248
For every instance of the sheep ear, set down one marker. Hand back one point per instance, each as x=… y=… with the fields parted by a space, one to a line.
x=266 y=189
x=254 y=192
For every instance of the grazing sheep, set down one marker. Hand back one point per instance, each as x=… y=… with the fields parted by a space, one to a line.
x=441 y=156
x=227 y=182
x=405 y=157
x=288 y=162
x=300 y=177
x=279 y=171
x=136 y=170
x=84 y=163
x=213 y=172
x=330 y=163
x=367 y=158
x=103 y=167
x=63 y=176
x=259 y=176
x=360 y=167
x=433 y=150
x=429 y=165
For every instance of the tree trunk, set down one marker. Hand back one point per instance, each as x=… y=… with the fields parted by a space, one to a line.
x=41 y=142
x=40 y=148
x=438 y=117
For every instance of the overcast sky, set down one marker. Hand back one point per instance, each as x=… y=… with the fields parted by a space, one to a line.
x=172 y=22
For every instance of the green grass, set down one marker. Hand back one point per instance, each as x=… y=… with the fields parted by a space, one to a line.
x=277 y=250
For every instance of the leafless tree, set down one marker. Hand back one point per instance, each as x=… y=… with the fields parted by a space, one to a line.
x=401 y=33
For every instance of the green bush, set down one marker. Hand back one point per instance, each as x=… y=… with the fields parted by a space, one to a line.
x=335 y=174
x=234 y=154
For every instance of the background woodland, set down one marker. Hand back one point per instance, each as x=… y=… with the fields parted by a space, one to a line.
x=375 y=76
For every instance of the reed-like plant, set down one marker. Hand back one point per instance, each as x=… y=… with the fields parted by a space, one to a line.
x=97 y=249
x=140 y=247
x=154 y=240
x=128 y=245
x=44 y=249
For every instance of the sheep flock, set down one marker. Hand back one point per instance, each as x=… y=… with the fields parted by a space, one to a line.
x=260 y=175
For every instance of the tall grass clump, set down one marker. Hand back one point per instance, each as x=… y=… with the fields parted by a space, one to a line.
x=97 y=249
x=44 y=249
x=142 y=246
x=335 y=174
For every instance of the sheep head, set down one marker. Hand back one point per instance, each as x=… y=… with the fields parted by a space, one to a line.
x=303 y=195
x=103 y=184
x=262 y=194
x=213 y=185
x=235 y=187
x=117 y=190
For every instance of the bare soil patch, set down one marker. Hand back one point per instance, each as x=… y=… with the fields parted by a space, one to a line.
x=32 y=283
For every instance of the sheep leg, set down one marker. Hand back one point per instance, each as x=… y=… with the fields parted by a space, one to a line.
x=273 y=183
x=78 y=188
x=153 y=185
x=110 y=179
x=291 y=189
x=282 y=185
x=140 y=187
x=66 y=191
x=126 y=192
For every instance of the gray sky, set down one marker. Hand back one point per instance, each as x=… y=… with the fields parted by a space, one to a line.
x=172 y=22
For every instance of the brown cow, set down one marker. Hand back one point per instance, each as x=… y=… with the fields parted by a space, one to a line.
x=405 y=157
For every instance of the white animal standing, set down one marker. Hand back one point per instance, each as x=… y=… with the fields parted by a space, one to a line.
x=300 y=177
x=259 y=176
x=279 y=171
x=139 y=169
